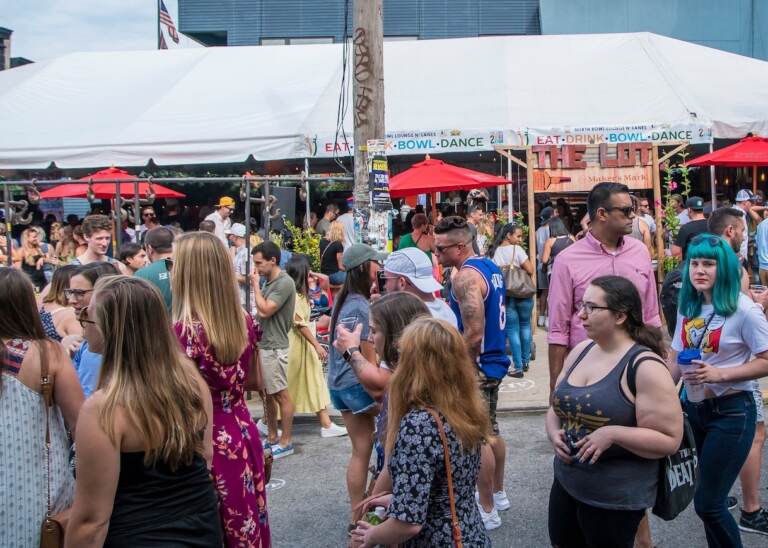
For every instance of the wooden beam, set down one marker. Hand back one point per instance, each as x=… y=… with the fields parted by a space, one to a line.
x=668 y=155
x=504 y=152
x=656 y=161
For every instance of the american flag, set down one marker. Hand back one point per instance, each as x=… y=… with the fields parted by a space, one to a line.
x=165 y=18
x=163 y=45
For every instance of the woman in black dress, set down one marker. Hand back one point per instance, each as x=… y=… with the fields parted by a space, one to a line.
x=144 y=437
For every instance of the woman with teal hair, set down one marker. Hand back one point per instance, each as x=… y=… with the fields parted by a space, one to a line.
x=720 y=345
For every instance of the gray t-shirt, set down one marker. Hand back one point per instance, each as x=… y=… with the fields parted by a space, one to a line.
x=354 y=310
x=322 y=226
x=282 y=292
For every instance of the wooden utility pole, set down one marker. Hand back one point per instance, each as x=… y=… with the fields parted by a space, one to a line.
x=367 y=88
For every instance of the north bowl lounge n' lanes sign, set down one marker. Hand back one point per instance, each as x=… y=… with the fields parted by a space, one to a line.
x=455 y=140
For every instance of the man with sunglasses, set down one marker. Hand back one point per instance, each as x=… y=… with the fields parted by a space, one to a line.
x=149 y=221
x=221 y=218
x=478 y=299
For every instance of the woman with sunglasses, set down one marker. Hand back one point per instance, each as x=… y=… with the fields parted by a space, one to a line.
x=730 y=334
x=87 y=363
x=24 y=351
x=608 y=437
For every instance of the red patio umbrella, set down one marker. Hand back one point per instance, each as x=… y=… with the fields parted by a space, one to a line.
x=437 y=176
x=749 y=152
x=107 y=190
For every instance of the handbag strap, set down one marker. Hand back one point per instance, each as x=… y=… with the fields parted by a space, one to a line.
x=455 y=527
x=46 y=389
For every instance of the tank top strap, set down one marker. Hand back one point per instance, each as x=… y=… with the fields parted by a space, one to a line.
x=15 y=351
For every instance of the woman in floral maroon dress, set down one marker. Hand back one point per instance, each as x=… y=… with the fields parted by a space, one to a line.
x=216 y=333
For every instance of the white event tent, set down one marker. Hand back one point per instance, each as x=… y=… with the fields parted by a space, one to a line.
x=213 y=105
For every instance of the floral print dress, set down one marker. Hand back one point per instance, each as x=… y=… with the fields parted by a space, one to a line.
x=238 y=457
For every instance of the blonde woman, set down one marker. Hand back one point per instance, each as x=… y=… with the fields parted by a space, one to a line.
x=331 y=251
x=31 y=258
x=144 y=437
x=66 y=247
x=221 y=339
x=434 y=372
x=58 y=317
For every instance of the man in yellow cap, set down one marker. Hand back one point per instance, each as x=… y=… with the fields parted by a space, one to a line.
x=221 y=218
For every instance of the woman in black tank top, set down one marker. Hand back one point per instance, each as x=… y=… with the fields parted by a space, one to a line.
x=607 y=439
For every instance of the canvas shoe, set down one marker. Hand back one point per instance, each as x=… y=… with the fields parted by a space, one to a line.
x=731 y=503
x=756 y=522
x=333 y=431
x=264 y=431
x=279 y=452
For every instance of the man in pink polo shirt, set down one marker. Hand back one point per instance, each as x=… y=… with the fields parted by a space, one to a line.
x=604 y=250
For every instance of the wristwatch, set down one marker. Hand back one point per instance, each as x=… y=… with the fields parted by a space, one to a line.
x=349 y=351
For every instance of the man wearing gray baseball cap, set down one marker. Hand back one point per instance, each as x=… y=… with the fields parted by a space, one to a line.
x=410 y=270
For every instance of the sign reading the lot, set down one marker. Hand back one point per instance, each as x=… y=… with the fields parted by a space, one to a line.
x=577 y=168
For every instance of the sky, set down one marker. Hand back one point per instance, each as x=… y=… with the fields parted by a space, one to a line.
x=45 y=29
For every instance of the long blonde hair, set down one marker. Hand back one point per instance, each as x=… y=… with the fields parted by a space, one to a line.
x=145 y=373
x=204 y=289
x=335 y=232
x=435 y=370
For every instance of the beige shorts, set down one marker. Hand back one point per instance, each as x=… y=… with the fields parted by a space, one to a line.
x=274 y=365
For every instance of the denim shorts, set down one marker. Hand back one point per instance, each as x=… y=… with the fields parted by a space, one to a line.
x=353 y=398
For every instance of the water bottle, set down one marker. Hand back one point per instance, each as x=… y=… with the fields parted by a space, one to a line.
x=694 y=393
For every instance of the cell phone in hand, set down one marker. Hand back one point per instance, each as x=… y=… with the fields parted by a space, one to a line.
x=349 y=323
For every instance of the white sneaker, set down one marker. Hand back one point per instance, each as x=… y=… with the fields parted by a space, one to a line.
x=333 y=431
x=491 y=519
x=264 y=431
x=500 y=501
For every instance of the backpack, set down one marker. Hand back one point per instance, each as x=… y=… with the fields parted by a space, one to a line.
x=670 y=291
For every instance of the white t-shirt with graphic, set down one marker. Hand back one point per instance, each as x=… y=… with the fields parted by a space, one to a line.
x=728 y=342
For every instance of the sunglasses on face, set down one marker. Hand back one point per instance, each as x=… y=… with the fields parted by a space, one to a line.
x=443 y=248
x=76 y=293
x=147 y=214
x=626 y=211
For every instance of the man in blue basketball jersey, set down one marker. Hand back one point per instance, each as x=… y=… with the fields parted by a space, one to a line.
x=477 y=297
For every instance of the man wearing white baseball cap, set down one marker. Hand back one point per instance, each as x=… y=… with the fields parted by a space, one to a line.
x=410 y=270
x=745 y=201
x=237 y=231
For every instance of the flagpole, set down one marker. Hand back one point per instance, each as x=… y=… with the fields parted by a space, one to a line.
x=159 y=30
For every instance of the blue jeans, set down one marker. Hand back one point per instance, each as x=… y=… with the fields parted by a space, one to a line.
x=723 y=428
x=518 y=330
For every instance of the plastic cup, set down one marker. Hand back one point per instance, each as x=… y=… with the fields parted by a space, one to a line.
x=694 y=392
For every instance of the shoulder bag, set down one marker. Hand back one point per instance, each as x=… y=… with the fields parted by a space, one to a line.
x=672 y=495
x=53 y=527
x=455 y=527
x=517 y=281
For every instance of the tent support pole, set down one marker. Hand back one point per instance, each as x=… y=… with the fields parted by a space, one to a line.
x=118 y=219
x=659 y=224
x=528 y=165
x=510 y=196
x=306 y=182
x=712 y=182
x=267 y=219
x=247 y=184
x=8 y=223
x=137 y=210
x=754 y=179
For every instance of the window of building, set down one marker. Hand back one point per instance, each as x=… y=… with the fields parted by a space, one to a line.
x=300 y=41
x=273 y=41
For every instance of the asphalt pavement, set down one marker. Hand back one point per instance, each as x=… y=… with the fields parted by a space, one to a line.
x=308 y=504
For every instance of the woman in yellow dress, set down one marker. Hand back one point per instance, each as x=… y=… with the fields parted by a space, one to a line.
x=306 y=382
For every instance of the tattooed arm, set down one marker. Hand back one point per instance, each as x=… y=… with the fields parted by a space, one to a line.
x=470 y=289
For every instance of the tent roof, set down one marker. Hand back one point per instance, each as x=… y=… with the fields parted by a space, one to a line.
x=211 y=105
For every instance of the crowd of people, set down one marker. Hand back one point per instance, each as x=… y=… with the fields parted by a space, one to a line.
x=126 y=374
